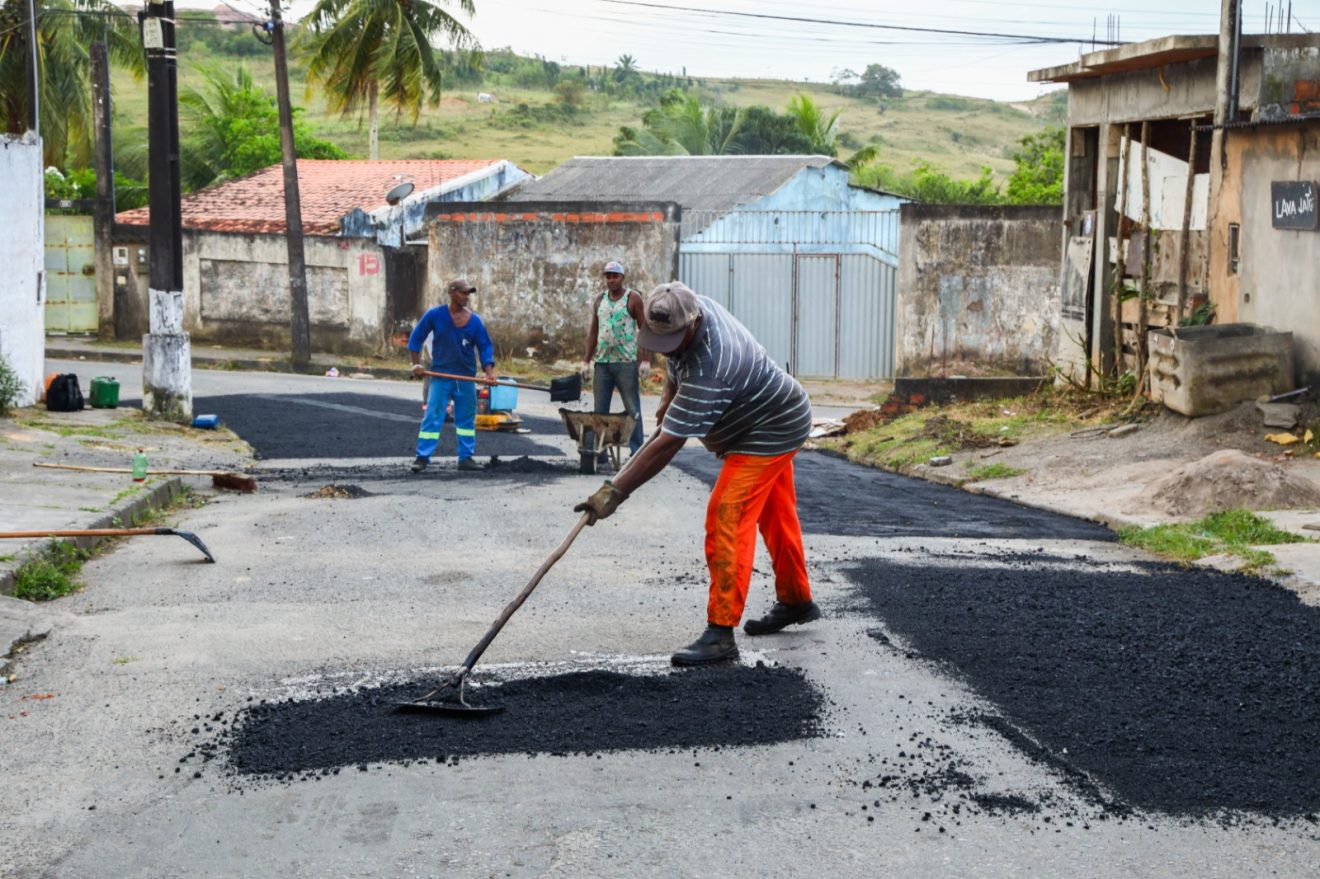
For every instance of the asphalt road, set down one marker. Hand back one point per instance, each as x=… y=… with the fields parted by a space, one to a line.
x=954 y=630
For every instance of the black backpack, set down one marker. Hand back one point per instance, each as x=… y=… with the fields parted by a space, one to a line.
x=64 y=395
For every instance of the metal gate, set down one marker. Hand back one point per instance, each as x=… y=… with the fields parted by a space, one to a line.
x=70 y=274
x=816 y=288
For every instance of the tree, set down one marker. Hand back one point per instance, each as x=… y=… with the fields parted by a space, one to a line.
x=680 y=127
x=65 y=31
x=926 y=183
x=363 y=51
x=234 y=129
x=819 y=128
x=879 y=81
x=1038 y=178
x=624 y=68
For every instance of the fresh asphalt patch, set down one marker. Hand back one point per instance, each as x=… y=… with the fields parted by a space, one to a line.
x=575 y=713
x=353 y=425
x=847 y=500
x=1185 y=692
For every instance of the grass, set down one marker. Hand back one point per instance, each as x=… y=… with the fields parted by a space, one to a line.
x=1232 y=532
x=51 y=574
x=943 y=430
x=992 y=471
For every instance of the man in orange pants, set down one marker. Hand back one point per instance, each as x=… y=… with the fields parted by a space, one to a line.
x=722 y=389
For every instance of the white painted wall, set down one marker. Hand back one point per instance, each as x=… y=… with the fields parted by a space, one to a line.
x=22 y=256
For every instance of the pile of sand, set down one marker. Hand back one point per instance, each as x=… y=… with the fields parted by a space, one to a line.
x=1228 y=480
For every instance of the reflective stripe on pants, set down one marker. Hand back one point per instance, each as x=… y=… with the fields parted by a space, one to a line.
x=464 y=395
x=752 y=491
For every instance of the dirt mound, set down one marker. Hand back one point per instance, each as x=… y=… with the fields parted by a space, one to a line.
x=1229 y=479
x=864 y=419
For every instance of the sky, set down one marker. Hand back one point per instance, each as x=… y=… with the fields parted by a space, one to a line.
x=742 y=38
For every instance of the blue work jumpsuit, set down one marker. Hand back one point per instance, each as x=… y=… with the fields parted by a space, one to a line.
x=454 y=350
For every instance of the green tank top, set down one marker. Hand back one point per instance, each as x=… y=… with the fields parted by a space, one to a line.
x=616 y=331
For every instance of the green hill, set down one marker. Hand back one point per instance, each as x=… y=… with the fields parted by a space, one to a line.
x=527 y=124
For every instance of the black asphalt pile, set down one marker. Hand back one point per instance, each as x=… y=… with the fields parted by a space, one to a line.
x=1187 y=692
x=840 y=498
x=578 y=713
x=352 y=425
x=339 y=492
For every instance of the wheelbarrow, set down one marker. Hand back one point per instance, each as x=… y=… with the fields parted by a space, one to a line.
x=598 y=433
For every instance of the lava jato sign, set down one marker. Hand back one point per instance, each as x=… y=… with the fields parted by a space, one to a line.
x=1293 y=204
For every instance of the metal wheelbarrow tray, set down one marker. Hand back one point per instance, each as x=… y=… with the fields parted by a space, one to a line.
x=596 y=433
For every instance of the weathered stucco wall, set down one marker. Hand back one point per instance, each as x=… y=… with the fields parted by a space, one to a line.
x=23 y=293
x=537 y=266
x=236 y=291
x=978 y=289
x=1278 y=273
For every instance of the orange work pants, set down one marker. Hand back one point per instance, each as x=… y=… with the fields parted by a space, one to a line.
x=753 y=490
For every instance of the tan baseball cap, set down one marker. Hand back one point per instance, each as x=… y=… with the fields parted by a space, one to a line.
x=670 y=310
x=460 y=285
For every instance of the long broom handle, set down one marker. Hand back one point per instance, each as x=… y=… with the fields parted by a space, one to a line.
x=521 y=597
x=482 y=381
x=88 y=532
x=518 y=599
x=84 y=468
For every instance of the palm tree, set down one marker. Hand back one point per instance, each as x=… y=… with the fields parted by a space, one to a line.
x=65 y=31
x=363 y=51
x=624 y=67
x=820 y=129
x=680 y=127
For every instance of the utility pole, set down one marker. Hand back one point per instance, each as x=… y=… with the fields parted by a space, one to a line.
x=103 y=215
x=300 y=324
x=166 y=355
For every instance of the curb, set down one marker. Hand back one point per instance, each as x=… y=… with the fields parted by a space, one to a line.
x=159 y=496
x=237 y=364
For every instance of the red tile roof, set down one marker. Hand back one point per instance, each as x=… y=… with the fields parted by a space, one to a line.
x=327 y=188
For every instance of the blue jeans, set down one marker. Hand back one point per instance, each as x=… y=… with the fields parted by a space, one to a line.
x=623 y=376
x=464 y=395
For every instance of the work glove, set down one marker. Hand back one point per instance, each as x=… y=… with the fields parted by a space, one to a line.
x=644 y=370
x=601 y=504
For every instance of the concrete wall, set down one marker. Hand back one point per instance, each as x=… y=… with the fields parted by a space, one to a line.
x=1140 y=94
x=978 y=289
x=1278 y=276
x=23 y=293
x=236 y=291
x=537 y=266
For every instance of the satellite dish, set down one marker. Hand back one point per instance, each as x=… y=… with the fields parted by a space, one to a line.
x=399 y=193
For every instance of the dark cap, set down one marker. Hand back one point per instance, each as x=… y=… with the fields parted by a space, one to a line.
x=670 y=310
x=460 y=285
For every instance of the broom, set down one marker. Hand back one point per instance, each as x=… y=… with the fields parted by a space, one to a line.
x=219 y=478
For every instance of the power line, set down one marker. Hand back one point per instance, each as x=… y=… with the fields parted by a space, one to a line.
x=1023 y=38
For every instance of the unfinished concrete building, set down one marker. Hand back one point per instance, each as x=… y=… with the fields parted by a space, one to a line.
x=1190 y=194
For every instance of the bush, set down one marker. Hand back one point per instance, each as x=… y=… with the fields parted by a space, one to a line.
x=12 y=386
x=51 y=574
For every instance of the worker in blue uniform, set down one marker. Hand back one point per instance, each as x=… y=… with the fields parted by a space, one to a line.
x=459 y=342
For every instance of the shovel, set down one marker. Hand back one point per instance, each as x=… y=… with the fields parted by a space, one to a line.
x=450 y=697
x=114 y=532
x=565 y=389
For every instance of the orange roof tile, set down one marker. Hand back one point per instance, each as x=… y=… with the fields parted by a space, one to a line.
x=327 y=188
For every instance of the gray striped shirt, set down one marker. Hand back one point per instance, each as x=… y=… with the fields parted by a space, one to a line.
x=731 y=395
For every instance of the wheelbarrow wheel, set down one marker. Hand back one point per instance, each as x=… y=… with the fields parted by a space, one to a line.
x=587 y=452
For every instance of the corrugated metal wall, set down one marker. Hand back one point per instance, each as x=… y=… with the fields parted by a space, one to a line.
x=816 y=288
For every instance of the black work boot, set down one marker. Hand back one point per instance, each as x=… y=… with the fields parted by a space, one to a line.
x=715 y=644
x=782 y=616
x=467 y=464
x=419 y=464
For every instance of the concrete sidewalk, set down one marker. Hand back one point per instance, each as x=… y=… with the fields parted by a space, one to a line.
x=206 y=356
x=34 y=499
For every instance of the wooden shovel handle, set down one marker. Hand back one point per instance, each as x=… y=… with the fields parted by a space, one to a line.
x=482 y=381
x=85 y=469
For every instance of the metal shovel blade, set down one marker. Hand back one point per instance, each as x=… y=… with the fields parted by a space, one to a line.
x=451 y=709
x=566 y=389
x=450 y=698
x=191 y=538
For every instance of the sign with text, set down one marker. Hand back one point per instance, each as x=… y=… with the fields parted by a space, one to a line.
x=1293 y=204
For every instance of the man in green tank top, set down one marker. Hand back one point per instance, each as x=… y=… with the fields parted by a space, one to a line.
x=612 y=352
